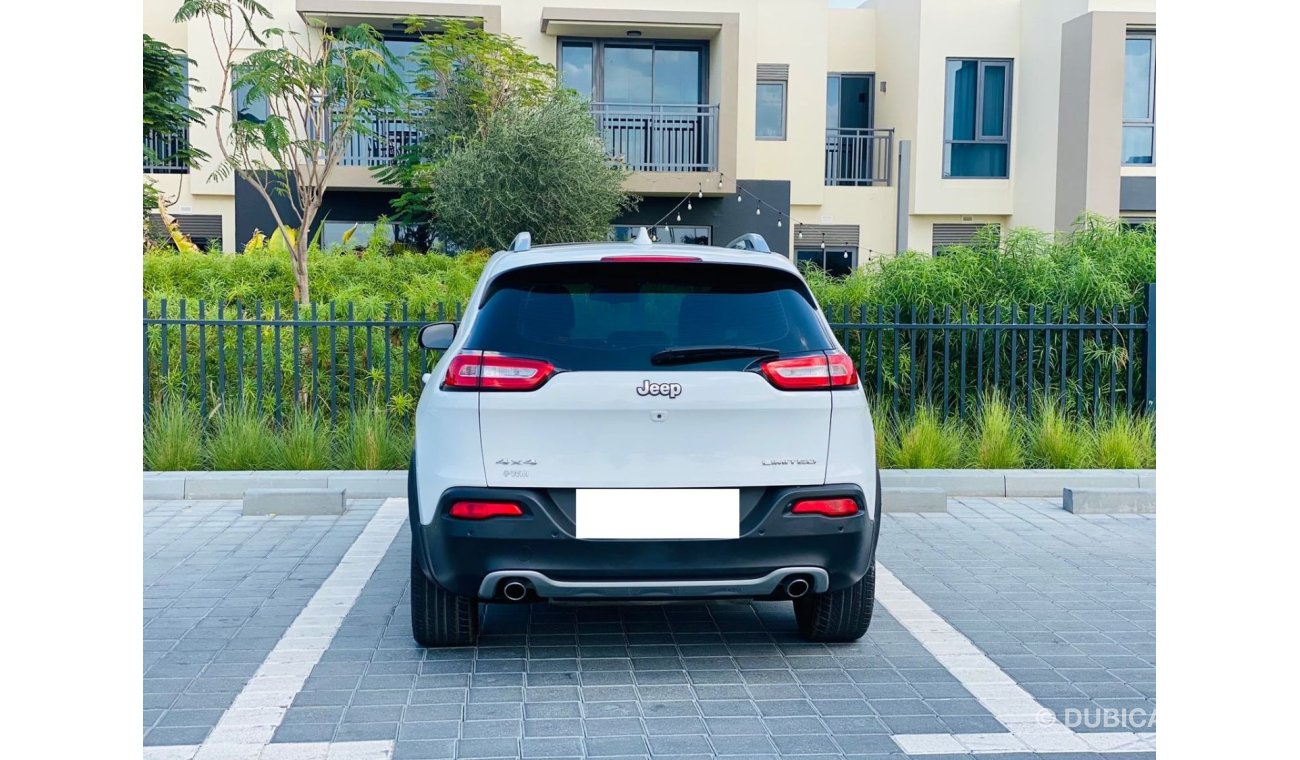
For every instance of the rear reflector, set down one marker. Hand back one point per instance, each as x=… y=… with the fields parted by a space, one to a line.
x=650 y=259
x=827 y=507
x=832 y=369
x=484 y=510
x=487 y=371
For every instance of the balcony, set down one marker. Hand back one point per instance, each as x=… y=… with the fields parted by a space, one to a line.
x=162 y=151
x=859 y=157
x=389 y=135
x=657 y=137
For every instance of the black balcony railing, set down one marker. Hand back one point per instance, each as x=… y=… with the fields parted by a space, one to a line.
x=658 y=137
x=163 y=152
x=390 y=134
x=859 y=156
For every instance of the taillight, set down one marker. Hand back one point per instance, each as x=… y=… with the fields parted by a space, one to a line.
x=487 y=371
x=832 y=369
x=826 y=507
x=484 y=510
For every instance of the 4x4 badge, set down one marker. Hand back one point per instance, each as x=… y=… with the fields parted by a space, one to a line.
x=516 y=462
x=647 y=388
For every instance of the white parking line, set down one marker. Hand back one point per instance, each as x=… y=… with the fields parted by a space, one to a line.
x=1030 y=726
x=245 y=729
x=372 y=750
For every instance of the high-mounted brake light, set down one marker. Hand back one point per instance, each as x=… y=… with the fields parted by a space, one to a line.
x=487 y=371
x=826 y=507
x=484 y=510
x=651 y=259
x=832 y=369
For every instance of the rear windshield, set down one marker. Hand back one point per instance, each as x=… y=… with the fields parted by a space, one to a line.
x=615 y=316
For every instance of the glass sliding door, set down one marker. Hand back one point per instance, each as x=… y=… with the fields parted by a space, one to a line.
x=849 y=117
x=648 y=98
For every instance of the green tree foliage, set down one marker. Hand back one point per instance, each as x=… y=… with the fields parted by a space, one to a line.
x=502 y=147
x=166 y=107
x=538 y=168
x=320 y=88
x=166 y=97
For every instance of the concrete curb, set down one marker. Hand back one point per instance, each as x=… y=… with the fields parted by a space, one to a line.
x=294 y=501
x=1109 y=501
x=893 y=500
x=382 y=484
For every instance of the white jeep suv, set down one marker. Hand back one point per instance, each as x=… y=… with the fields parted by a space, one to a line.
x=631 y=421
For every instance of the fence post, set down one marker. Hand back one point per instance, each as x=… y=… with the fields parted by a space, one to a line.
x=1149 y=352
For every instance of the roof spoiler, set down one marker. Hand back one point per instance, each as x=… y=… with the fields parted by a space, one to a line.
x=750 y=241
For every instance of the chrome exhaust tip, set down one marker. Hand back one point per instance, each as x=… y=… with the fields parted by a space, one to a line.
x=796 y=588
x=514 y=590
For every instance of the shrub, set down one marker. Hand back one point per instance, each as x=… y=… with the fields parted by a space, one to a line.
x=372 y=441
x=243 y=440
x=306 y=442
x=928 y=442
x=1055 y=441
x=173 y=437
x=885 y=426
x=1123 y=441
x=1101 y=264
x=998 y=443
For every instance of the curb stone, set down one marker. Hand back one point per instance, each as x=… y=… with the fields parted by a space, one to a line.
x=1109 y=501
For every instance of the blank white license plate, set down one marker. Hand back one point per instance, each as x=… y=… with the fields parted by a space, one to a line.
x=647 y=513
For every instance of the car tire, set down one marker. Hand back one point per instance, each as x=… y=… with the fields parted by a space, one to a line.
x=440 y=618
x=842 y=615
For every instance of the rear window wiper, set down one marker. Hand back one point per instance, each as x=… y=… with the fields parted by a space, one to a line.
x=694 y=354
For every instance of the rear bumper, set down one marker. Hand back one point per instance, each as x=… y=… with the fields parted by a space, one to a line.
x=474 y=558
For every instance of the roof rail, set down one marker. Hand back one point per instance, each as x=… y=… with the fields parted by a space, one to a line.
x=750 y=241
x=522 y=242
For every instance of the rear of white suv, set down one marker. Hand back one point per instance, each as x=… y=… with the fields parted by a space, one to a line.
x=624 y=421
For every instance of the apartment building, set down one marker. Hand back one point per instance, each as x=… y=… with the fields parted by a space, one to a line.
x=839 y=134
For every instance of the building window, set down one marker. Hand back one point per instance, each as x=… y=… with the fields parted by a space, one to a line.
x=837 y=261
x=663 y=233
x=770 y=104
x=255 y=110
x=1140 y=98
x=977 y=119
x=770 y=114
x=635 y=73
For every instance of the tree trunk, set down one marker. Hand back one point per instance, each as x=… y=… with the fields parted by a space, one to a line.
x=301 y=285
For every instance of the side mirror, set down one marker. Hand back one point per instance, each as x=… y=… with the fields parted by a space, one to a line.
x=437 y=336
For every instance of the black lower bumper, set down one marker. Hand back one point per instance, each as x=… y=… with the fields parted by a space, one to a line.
x=460 y=554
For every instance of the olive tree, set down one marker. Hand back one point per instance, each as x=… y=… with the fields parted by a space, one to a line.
x=320 y=87
x=501 y=147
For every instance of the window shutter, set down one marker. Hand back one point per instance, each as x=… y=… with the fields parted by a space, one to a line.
x=946 y=235
x=837 y=235
x=774 y=72
x=206 y=226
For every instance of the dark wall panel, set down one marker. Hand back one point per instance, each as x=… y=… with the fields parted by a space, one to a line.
x=728 y=218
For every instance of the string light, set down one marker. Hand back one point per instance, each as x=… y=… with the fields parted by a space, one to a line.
x=778 y=222
x=688 y=205
x=758 y=211
x=739 y=197
x=679 y=217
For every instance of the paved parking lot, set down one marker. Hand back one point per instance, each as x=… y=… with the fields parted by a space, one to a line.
x=1005 y=628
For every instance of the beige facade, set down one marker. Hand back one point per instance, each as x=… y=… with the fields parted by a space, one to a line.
x=889 y=60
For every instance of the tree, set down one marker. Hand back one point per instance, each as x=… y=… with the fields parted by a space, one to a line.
x=166 y=111
x=167 y=106
x=319 y=89
x=535 y=167
x=501 y=146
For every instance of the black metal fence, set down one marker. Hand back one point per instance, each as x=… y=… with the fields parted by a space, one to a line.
x=330 y=359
